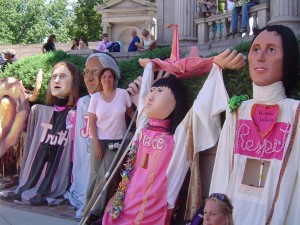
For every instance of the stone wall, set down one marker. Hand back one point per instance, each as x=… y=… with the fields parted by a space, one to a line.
x=32 y=49
x=119 y=56
x=26 y=50
x=165 y=16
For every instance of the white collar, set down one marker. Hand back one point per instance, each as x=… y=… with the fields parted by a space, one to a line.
x=269 y=94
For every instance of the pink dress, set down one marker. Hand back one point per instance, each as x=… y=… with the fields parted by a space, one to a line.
x=145 y=200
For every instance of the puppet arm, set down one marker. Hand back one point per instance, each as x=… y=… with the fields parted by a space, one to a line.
x=148 y=78
x=134 y=90
x=223 y=161
x=198 y=131
x=211 y=101
x=37 y=87
x=294 y=205
x=31 y=127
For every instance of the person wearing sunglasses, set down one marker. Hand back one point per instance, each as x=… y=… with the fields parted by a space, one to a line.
x=217 y=210
x=104 y=43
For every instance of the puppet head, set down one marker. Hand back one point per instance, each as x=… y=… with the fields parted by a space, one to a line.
x=93 y=67
x=274 y=56
x=166 y=100
x=64 y=84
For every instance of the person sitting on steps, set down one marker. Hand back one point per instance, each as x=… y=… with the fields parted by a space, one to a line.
x=244 y=6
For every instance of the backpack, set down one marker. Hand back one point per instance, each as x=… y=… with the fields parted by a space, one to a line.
x=198 y=217
x=114 y=47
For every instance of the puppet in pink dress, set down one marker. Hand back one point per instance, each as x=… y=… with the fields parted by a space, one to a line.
x=158 y=161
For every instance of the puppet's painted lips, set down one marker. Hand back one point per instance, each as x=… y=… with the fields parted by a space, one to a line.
x=148 y=104
x=260 y=69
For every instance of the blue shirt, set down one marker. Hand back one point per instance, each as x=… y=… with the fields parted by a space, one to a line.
x=132 y=47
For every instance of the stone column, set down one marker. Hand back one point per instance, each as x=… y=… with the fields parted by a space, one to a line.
x=286 y=13
x=203 y=31
x=106 y=28
x=185 y=14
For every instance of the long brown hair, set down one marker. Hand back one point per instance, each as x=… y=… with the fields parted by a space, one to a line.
x=76 y=82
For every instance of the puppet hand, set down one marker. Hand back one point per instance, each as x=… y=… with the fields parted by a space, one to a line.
x=227 y=60
x=144 y=62
x=161 y=74
x=134 y=90
x=38 y=83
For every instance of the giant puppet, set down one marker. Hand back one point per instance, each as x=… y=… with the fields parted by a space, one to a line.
x=257 y=162
x=82 y=138
x=14 y=109
x=47 y=150
x=159 y=159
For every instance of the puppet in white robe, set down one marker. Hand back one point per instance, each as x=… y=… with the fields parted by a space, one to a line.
x=240 y=142
x=81 y=162
x=257 y=161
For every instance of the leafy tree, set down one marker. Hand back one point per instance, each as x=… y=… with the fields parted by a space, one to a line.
x=26 y=21
x=87 y=21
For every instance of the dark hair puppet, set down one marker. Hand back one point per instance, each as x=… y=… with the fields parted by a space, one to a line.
x=290 y=54
x=179 y=93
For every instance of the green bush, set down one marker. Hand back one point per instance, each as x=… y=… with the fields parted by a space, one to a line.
x=26 y=69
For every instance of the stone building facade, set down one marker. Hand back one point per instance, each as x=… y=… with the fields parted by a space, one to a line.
x=120 y=16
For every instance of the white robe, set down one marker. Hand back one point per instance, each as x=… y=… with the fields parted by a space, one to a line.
x=252 y=205
x=81 y=164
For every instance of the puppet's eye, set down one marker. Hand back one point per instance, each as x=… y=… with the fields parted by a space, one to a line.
x=256 y=50
x=152 y=89
x=271 y=51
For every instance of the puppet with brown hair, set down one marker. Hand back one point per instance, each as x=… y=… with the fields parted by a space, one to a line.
x=47 y=150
